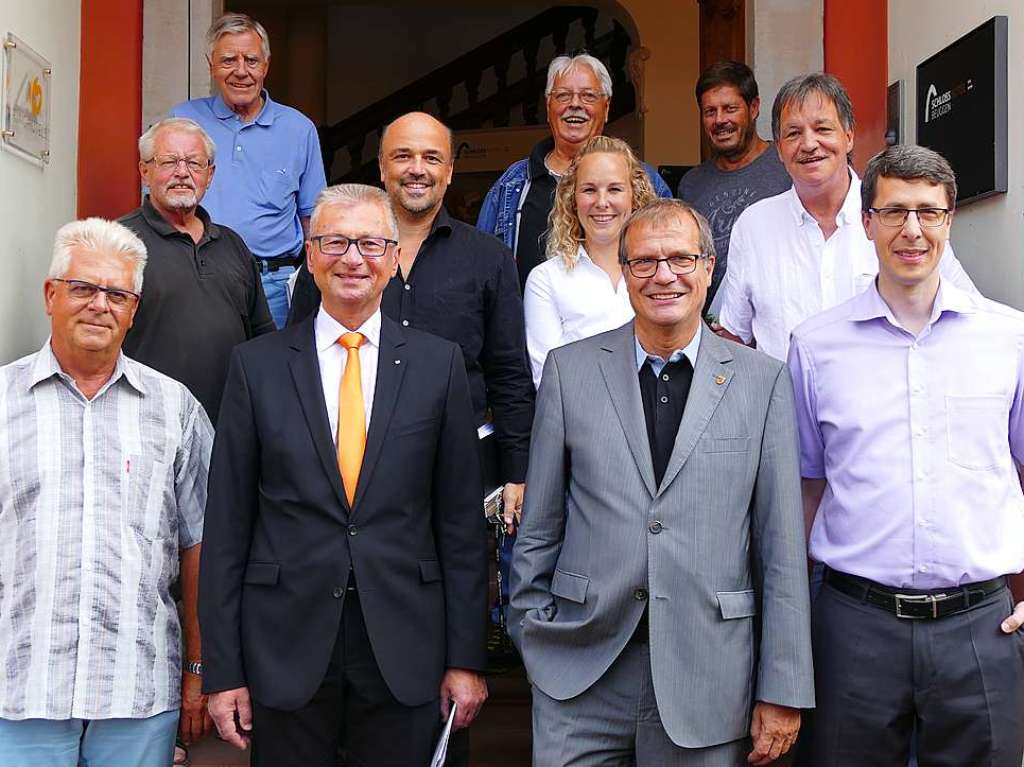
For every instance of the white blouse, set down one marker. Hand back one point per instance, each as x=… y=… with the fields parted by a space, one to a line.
x=564 y=305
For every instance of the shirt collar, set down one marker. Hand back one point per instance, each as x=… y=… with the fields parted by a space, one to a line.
x=328 y=330
x=849 y=212
x=690 y=351
x=870 y=305
x=163 y=227
x=537 y=167
x=442 y=221
x=46 y=366
x=266 y=115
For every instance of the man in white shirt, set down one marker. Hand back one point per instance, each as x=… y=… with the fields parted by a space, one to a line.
x=798 y=253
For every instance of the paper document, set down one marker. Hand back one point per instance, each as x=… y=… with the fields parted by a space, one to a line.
x=441 y=751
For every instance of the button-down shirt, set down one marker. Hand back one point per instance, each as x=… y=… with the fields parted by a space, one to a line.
x=333 y=358
x=917 y=437
x=209 y=289
x=658 y=363
x=564 y=305
x=97 y=498
x=782 y=270
x=269 y=172
x=463 y=286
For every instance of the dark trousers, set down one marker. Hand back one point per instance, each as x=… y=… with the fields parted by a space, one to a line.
x=958 y=680
x=353 y=709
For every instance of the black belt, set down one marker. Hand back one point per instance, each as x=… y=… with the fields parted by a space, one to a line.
x=922 y=605
x=279 y=262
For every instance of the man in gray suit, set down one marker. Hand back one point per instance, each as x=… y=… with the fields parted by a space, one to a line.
x=659 y=583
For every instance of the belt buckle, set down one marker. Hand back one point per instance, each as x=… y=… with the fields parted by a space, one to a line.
x=916 y=599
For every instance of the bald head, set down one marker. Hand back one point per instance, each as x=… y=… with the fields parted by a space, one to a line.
x=418 y=121
x=415 y=161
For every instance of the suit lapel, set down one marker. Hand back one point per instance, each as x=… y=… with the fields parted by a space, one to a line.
x=711 y=379
x=618 y=366
x=391 y=367
x=305 y=370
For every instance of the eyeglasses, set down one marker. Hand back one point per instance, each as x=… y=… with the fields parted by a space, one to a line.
x=80 y=290
x=169 y=163
x=926 y=217
x=588 y=97
x=642 y=268
x=338 y=245
x=251 y=63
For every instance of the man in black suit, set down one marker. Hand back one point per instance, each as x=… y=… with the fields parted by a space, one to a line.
x=343 y=580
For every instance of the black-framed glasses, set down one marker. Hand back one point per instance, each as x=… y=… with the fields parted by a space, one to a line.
x=169 y=163
x=338 y=245
x=684 y=263
x=565 y=96
x=117 y=298
x=926 y=217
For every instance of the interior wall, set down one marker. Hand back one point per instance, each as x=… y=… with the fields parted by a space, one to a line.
x=174 y=66
x=671 y=125
x=988 y=235
x=34 y=201
x=787 y=41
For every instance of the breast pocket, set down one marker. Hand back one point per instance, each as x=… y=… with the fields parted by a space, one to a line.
x=144 y=483
x=976 y=435
x=277 y=188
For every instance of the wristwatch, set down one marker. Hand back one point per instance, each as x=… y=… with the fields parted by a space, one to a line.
x=194 y=667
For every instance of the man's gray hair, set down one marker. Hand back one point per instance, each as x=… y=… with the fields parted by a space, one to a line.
x=147 y=141
x=347 y=195
x=662 y=211
x=562 y=65
x=798 y=89
x=910 y=163
x=99 y=236
x=236 y=24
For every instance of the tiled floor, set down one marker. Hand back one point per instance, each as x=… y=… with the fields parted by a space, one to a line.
x=499 y=738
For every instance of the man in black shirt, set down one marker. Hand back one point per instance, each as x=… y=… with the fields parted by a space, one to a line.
x=203 y=292
x=455 y=282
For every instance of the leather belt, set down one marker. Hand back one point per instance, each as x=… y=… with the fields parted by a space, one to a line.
x=278 y=262
x=922 y=605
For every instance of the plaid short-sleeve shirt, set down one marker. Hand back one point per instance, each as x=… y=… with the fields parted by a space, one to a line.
x=97 y=498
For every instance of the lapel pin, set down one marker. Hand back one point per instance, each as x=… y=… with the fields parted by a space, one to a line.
x=719 y=379
x=398 y=362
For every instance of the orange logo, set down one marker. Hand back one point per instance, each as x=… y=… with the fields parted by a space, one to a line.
x=35 y=96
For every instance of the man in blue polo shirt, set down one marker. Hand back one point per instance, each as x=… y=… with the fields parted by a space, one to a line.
x=269 y=168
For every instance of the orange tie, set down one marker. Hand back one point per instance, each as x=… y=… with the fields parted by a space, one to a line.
x=351 y=417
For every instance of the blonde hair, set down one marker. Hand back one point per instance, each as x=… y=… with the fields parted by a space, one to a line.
x=565 y=233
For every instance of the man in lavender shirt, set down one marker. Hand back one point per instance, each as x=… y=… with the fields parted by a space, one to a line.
x=910 y=403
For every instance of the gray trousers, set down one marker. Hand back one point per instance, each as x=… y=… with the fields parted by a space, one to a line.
x=615 y=723
x=958 y=680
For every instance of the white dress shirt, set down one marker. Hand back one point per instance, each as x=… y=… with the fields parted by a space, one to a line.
x=782 y=270
x=564 y=305
x=333 y=357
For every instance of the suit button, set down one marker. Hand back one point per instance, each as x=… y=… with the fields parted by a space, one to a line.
x=352 y=530
x=654 y=527
x=405 y=323
x=640 y=595
x=338 y=592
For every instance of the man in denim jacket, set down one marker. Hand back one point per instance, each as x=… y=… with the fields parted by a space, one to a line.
x=578 y=93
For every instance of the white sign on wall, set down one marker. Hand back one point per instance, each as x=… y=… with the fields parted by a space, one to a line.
x=25 y=101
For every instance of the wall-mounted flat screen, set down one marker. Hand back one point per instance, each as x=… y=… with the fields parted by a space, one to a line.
x=961 y=108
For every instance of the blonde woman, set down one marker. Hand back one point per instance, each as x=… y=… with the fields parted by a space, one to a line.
x=579 y=291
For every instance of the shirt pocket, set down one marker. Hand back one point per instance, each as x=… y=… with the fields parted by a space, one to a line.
x=277 y=189
x=976 y=436
x=143 y=506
